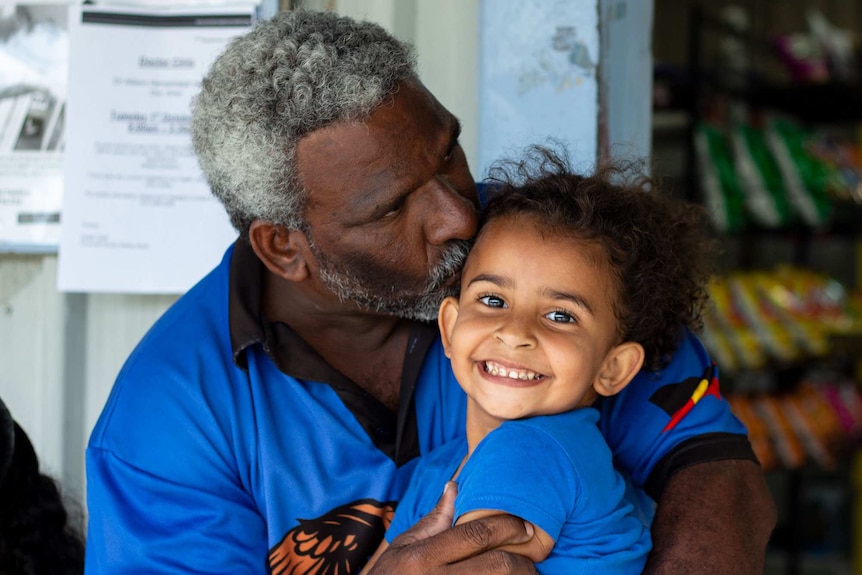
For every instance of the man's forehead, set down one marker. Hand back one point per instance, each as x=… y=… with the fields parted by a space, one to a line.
x=344 y=156
x=375 y=151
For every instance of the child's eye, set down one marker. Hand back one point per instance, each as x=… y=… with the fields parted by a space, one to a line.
x=559 y=316
x=493 y=301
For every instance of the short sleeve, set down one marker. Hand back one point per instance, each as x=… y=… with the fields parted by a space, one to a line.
x=664 y=421
x=523 y=471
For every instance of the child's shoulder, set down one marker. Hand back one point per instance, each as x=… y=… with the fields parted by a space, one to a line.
x=441 y=457
x=573 y=434
x=557 y=425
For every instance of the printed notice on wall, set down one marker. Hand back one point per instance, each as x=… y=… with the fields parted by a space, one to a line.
x=34 y=46
x=138 y=216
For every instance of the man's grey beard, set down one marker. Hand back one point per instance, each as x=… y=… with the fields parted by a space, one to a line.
x=422 y=306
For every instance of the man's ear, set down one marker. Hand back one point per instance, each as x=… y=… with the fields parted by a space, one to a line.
x=446 y=318
x=284 y=252
x=621 y=365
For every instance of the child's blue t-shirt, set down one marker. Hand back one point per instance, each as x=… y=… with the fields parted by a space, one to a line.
x=554 y=471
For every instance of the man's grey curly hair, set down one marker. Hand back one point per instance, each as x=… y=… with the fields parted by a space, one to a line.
x=292 y=74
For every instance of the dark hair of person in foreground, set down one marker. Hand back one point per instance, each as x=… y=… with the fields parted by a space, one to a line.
x=660 y=249
x=36 y=534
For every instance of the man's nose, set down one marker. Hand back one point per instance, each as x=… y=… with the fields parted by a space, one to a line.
x=450 y=216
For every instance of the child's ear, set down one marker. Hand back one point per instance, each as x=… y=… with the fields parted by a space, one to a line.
x=621 y=365
x=446 y=317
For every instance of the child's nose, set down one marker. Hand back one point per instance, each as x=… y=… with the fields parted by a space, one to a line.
x=516 y=334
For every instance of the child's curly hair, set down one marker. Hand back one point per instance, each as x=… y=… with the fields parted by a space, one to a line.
x=659 y=249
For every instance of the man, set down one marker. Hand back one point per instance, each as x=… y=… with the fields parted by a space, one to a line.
x=271 y=419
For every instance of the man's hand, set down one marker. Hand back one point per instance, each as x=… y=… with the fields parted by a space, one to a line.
x=713 y=519
x=432 y=546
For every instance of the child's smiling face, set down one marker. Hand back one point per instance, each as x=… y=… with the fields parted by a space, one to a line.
x=534 y=328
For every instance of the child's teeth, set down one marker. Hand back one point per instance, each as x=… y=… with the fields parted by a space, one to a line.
x=499 y=370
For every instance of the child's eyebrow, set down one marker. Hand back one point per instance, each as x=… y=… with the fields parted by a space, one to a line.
x=573 y=298
x=497 y=280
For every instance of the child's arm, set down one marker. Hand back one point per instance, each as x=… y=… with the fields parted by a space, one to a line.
x=432 y=546
x=536 y=549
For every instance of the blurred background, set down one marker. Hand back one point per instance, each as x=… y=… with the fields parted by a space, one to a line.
x=757 y=109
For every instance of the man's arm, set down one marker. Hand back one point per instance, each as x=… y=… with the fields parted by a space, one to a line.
x=713 y=518
x=677 y=438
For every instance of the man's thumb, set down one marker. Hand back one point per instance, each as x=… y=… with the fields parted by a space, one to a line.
x=436 y=521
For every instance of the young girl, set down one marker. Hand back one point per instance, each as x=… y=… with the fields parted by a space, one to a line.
x=574 y=284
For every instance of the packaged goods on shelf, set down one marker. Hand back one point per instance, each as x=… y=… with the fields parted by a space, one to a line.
x=761 y=181
x=819 y=421
x=777 y=316
x=722 y=195
x=787 y=445
x=805 y=178
x=774 y=173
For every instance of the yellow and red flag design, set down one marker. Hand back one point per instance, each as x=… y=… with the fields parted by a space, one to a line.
x=679 y=398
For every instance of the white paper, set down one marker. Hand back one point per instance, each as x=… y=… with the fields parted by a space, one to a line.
x=34 y=45
x=138 y=216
